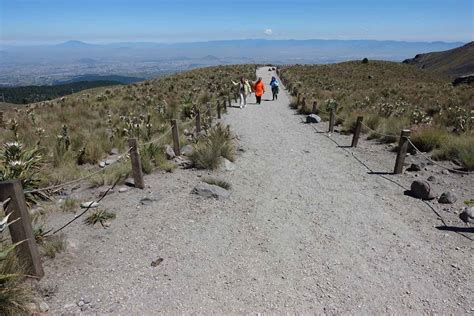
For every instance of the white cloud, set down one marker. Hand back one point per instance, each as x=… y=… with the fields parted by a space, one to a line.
x=268 y=32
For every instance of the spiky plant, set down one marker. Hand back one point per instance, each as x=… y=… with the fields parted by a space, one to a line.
x=99 y=216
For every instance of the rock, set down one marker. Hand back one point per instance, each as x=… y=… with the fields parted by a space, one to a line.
x=110 y=161
x=421 y=190
x=102 y=164
x=123 y=189
x=187 y=150
x=90 y=204
x=313 y=118
x=183 y=162
x=114 y=151
x=445 y=171
x=447 y=198
x=129 y=182
x=209 y=190
x=169 y=152
x=149 y=200
x=86 y=300
x=467 y=215
x=186 y=132
x=81 y=303
x=431 y=178
x=416 y=167
x=229 y=165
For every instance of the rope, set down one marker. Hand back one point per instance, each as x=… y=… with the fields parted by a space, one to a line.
x=386 y=178
x=434 y=162
x=62 y=185
x=88 y=207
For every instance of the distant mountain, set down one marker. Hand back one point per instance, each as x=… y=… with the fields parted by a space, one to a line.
x=454 y=62
x=74 y=44
x=92 y=77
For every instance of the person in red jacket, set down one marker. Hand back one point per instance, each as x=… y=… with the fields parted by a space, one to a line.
x=259 y=90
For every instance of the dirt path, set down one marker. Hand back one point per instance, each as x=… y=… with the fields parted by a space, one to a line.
x=307 y=229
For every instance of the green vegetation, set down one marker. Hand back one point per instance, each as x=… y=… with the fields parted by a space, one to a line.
x=392 y=96
x=212 y=146
x=99 y=216
x=71 y=134
x=30 y=94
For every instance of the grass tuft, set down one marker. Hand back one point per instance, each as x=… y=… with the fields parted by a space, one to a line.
x=99 y=216
x=221 y=183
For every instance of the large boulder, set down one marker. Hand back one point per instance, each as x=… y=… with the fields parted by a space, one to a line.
x=211 y=191
x=421 y=190
x=447 y=198
x=313 y=118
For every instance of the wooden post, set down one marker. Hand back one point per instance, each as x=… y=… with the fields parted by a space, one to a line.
x=225 y=106
x=314 y=110
x=198 y=122
x=136 y=163
x=2 y=120
x=332 y=119
x=229 y=101
x=355 y=138
x=176 y=147
x=209 y=113
x=303 y=104
x=218 y=110
x=298 y=101
x=21 y=230
x=402 y=151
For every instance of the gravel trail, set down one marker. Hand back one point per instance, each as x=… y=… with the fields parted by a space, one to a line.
x=307 y=229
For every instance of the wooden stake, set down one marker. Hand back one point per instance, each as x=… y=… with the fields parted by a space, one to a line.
x=136 y=163
x=314 y=110
x=355 y=138
x=176 y=147
x=198 y=122
x=332 y=119
x=229 y=101
x=218 y=110
x=2 y=120
x=402 y=151
x=21 y=230
x=225 y=106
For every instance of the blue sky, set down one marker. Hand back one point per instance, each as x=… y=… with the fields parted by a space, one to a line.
x=53 y=21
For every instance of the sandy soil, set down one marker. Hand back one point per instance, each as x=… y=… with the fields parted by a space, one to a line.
x=308 y=229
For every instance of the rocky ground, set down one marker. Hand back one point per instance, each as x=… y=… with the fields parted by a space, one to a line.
x=310 y=226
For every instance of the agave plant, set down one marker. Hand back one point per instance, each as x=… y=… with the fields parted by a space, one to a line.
x=17 y=162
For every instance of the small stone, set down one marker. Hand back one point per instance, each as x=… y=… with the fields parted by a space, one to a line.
x=89 y=204
x=467 y=215
x=416 y=167
x=431 y=178
x=187 y=150
x=148 y=200
x=209 y=190
x=421 y=190
x=186 y=132
x=110 y=161
x=447 y=198
x=81 y=303
x=86 y=300
x=123 y=189
x=229 y=165
x=69 y=306
x=313 y=118
x=170 y=154
x=102 y=164
x=445 y=171
x=43 y=307
x=130 y=182
x=114 y=151
x=84 y=308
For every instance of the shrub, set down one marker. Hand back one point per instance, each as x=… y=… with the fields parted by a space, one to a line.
x=211 y=147
x=99 y=216
x=459 y=149
x=427 y=139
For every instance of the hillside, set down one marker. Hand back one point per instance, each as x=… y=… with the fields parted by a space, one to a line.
x=31 y=94
x=454 y=62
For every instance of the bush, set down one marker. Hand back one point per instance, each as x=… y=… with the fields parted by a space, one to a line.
x=427 y=139
x=210 y=148
x=459 y=149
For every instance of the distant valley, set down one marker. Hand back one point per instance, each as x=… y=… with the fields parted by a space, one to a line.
x=70 y=61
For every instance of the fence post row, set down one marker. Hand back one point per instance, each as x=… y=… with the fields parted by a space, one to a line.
x=21 y=230
x=136 y=163
x=175 y=133
x=402 y=151
x=332 y=119
x=358 y=128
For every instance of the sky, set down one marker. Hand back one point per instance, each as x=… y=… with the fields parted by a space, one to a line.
x=105 y=21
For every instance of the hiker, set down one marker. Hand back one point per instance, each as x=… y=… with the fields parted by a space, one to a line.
x=244 y=90
x=274 y=84
x=259 y=90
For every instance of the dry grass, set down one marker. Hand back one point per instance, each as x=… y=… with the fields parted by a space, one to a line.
x=221 y=183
